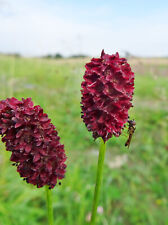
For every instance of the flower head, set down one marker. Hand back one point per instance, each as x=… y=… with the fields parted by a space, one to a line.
x=107 y=92
x=33 y=141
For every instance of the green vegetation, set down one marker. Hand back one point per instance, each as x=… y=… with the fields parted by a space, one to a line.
x=135 y=182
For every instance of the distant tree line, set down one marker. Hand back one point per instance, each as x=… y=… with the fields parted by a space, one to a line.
x=78 y=56
x=54 y=56
x=17 y=55
x=48 y=56
x=60 y=56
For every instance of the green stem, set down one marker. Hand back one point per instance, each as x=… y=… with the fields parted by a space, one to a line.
x=98 y=180
x=49 y=205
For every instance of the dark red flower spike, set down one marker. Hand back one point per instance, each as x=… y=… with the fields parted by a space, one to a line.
x=33 y=141
x=107 y=92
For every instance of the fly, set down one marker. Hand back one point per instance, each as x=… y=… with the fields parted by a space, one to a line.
x=131 y=130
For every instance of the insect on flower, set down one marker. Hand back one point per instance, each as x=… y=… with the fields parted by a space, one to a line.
x=131 y=130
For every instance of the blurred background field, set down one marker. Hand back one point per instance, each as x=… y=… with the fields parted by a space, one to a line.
x=135 y=183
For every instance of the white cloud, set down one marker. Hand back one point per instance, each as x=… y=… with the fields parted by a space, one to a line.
x=36 y=28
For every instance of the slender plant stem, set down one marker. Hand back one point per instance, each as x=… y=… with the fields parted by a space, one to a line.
x=49 y=205
x=98 y=180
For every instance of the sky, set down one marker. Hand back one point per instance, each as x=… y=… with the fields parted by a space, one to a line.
x=40 y=27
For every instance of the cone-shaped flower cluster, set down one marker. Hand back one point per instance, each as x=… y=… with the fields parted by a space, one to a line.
x=107 y=92
x=33 y=141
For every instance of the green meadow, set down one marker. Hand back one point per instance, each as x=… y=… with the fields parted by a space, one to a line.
x=135 y=182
